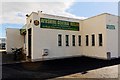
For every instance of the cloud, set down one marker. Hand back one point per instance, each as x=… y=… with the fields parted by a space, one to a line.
x=14 y=12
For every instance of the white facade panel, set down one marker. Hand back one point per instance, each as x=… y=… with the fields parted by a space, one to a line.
x=44 y=38
x=95 y=25
x=14 y=39
x=48 y=39
x=112 y=35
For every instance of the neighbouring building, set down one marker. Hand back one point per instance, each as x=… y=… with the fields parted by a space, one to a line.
x=50 y=36
x=2 y=43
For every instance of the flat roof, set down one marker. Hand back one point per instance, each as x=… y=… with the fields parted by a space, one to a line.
x=100 y=15
x=75 y=18
x=54 y=15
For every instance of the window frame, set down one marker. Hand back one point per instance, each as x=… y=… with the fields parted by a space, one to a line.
x=79 y=40
x=87 y=40
x=73 y=40
x=93 y=39
x=100 y=39
x=59 y=39
x=67 y=40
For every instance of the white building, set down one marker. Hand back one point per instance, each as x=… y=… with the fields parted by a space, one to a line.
x=50 y=36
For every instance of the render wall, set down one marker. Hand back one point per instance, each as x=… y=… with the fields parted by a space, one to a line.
x=48 y=39
x=112 y=35
x=43 y=38
x=14 y=39
x=95 y=25
x=119 y=36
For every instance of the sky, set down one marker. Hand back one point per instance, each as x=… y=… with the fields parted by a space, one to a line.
x=13 y=12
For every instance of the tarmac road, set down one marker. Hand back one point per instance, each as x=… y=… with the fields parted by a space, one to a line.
x=53 y=68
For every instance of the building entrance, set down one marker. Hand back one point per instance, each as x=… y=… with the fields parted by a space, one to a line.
x=29 y=42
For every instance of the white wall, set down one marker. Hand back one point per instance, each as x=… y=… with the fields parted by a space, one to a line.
x=14 y=39
x=112 y=35
x=118 y=36
x=95 y=25
x=48 y=39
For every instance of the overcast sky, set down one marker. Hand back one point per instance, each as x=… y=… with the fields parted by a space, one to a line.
x=13 y=13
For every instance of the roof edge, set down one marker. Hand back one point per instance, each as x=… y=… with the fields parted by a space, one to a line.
x=100 y=15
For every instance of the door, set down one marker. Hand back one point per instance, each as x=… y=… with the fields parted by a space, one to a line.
x=29 y=42
x=108 y=55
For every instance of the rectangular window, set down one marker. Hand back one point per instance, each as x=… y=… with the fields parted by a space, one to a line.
x=93 y=40
x=73 y=40
x=100 y=39
x=59 y=40
x=79 y=40
x=87 y=40
x=67 y=40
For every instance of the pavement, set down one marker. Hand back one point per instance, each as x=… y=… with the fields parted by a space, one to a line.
x=105 y=72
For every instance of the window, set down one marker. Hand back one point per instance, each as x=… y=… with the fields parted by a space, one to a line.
x=87 y=41
x=73 y=40
x=59 y=40
x=100 y=39
x=93 y=40
x=67 y=40
x=79 y=40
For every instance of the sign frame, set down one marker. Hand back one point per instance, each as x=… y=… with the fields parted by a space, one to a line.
x=58 y=24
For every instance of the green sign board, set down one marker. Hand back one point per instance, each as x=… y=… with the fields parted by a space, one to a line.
x=58 y=24
x=110 y=27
